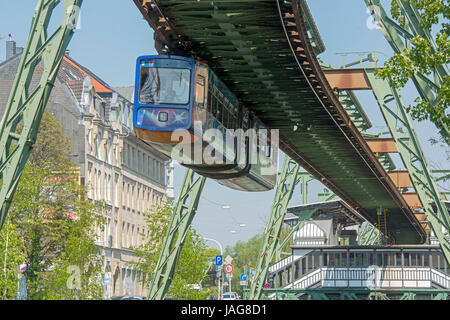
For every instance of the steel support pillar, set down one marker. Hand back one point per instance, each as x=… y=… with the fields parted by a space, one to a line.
x=400 y=40
x=287 y=180
x=26 y=104
x=182 y=217
x=411 y=153
x=369 y=235
x=301 y=221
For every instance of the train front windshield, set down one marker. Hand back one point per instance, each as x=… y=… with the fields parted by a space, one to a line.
x=164 y=85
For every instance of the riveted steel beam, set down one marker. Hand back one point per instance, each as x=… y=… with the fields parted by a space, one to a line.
x=400 y=39
x=25 y=107
x=413 y=157
x=179 y=225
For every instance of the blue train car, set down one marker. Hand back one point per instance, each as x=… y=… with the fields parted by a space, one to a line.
x=183 y=109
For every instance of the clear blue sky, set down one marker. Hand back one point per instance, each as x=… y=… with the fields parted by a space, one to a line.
x=113 y=34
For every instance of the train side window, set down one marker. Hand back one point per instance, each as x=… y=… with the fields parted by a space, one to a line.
x=200 y=89
x=214 y=103
x=210 y=98
x=218 y=111
x=225 y=115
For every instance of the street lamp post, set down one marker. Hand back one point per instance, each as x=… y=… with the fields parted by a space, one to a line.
x=220 y=289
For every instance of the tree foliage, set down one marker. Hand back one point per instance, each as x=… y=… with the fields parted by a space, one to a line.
x=53 y=223
x=246 y=254
x=11 y=256
x=193 y=262
x=424 y=57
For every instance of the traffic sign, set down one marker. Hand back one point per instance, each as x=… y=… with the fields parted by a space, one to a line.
x=228 y=259
x=219 y=259
x=243 y=283
x=229 y=268
x=267 y=286
x=243 y=277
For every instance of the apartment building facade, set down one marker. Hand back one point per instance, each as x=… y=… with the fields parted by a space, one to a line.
x=126 y=174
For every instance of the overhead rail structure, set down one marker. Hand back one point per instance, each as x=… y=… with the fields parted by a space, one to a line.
x=263 y=53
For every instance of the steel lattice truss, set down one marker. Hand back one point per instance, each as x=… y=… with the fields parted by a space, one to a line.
x=400 y=37
x=20 y=122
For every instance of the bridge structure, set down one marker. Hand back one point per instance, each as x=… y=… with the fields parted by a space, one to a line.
x=265 y=51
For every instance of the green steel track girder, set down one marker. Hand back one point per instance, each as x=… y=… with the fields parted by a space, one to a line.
x=26 y=104
x=259 y=40
x=413 y=157
x=400 y=40
x=287 y=180
x=182 y=217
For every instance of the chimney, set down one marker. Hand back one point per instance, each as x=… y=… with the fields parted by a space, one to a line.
x=10 y=48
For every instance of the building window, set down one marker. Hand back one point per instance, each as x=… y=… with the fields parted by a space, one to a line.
x=116 y=190
x=109 y=188
x=123 y=234
x=89 y=141
x=125 y=154
x=139 y=164
x=133 y=199
x=98 y=142
x=106 y=152
x=128 y=195
x=98 y=185
x=89 y=183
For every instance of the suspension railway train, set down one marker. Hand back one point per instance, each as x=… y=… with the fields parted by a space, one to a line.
x=183 y=109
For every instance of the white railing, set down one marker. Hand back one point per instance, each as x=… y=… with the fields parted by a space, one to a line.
x=440 y=278
x=283 y=263
x=374 y=277
x=307 y=281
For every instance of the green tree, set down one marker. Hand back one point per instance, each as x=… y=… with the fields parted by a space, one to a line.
x=55 y=221
x=11 y=257
x=244 y=254
x=425 y=58
x=193 y=262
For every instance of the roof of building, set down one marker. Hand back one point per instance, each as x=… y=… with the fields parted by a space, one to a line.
x=336 y=208
x=73 y=75
x=99 y=84
x=126 y=92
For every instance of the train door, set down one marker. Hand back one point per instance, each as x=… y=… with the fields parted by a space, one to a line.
x=200 y=94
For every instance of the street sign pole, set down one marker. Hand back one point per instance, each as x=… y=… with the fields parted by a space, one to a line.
x=219 y=262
